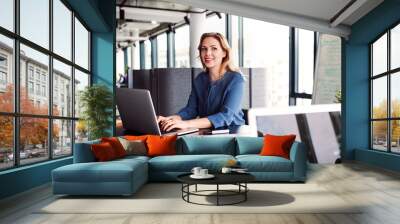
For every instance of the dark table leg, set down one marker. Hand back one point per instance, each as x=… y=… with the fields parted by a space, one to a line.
x=188 y=189
x=182 y=190
x=217 y=194
x=245 y=193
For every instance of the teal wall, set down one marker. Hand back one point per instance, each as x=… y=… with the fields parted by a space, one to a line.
x=24 y=178
x=103 y=53
x=99 y=16
x=356 y=99
x=381 y=159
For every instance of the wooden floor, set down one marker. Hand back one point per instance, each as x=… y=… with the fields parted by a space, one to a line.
x=377 y=188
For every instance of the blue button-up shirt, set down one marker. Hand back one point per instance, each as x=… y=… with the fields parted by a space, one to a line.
x=220 y=101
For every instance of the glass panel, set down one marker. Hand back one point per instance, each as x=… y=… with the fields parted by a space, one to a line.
x=235 y=40
x=395 y=47
x=62 y=138
x=303 y=102
x=33 y=139
x=35 y=21
x=120 y=62
x=306 y=61
x=327 y=85
x=6 y=142
x=147 y=48
x=62 y=29
x=162 y=50
x=34 y=81
x=269 y=50
x=182 y=57
x=81 y=131
x=136 y=56
x=62 y=89
x=81 y=81
x=215 y=24
x=379 y=98
x=379 y=135
x=6 y=74
x=379 y=56
x=395 y=136
x=81 y=45
x=7 y=14
x=129 y=57
x=395 y=94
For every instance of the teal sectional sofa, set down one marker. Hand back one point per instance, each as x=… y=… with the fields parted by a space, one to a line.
x=125 y=176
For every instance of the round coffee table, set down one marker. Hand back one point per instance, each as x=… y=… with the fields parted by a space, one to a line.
x=238 y=179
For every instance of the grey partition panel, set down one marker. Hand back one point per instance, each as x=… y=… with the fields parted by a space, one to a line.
x=246 y=94
x=196 y=72
x=154 y=88
x=174 y=86
x=141 y=79
x=258 y=87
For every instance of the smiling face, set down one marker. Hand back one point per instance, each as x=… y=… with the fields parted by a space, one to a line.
x=211 y=53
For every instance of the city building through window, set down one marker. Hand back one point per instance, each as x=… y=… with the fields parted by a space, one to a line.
x=35 y=115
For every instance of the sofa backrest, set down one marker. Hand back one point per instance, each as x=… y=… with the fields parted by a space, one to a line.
x=192 y=145
x=83 y=152
x=249 y=145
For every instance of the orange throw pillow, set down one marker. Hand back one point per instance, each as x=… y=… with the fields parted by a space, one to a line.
x=277 y=145
x=103 y=151
x=161 y=145
x=116 y=145
x=134 y=138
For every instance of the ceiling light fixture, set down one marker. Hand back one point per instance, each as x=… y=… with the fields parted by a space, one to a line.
x=121 y=14
x=171 y=28
x=187 y=21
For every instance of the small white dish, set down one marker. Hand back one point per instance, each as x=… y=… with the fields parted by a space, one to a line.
x=208 y=176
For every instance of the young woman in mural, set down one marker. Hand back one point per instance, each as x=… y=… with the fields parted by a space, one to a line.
x=216 y=97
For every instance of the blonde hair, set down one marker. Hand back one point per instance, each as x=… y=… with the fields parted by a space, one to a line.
x=227 y=63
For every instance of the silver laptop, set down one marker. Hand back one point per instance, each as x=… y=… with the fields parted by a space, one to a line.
x=137 y=112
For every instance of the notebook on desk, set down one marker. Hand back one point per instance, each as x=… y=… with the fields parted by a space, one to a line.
x=138 y=115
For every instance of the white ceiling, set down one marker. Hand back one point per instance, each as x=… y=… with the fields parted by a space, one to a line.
x=321 y=9
x=314 y=15
x=317 y=15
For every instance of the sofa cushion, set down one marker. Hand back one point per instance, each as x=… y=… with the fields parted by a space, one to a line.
x=103 y=152
x=185 y=163
x=133 y=147
x=83 y=152
x=130 y=158
x=112 y=171
x=198 y=145
x=249 y=145
x=257 y=163
x=116 y=145
x=161 y=145
x=275 y=145
x=135 y=137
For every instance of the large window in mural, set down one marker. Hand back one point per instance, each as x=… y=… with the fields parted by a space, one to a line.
x=40 y=82
x=385 y=94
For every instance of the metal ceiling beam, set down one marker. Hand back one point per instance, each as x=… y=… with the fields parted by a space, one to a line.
x=346 y=11
x=268 y=15
x=156 y=8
